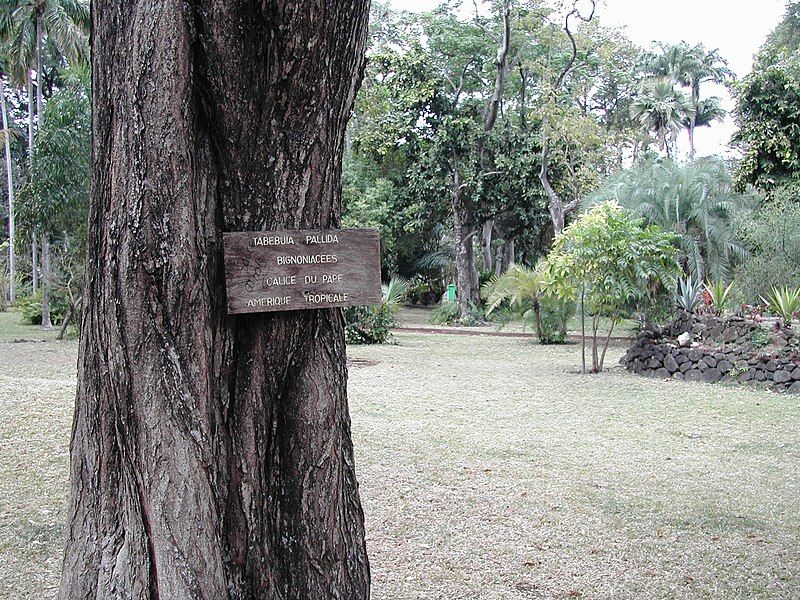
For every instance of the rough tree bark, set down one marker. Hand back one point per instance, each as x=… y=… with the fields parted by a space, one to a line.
x=211 y=454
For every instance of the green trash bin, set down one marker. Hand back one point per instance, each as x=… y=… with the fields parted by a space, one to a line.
x=451 y=292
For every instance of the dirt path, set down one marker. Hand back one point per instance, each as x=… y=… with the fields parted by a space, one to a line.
x=507 y=334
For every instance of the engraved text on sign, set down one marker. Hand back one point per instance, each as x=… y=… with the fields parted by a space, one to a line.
x=295 y=270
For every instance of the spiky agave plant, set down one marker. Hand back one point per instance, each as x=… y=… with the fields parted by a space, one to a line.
x=688 y=294
x=784 y=302
x=720 y=295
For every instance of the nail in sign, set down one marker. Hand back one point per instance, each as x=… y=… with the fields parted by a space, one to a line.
x=295 y=270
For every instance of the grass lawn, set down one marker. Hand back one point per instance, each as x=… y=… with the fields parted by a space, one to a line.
x=489 y=469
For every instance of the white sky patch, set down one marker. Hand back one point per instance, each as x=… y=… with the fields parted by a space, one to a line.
x=737 y=29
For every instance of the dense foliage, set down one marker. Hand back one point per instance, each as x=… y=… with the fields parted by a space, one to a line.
x=695 y=201
x=768 y=110
x=772 y=234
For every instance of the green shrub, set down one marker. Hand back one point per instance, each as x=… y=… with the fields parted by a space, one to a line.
x=475 y=316
x=760 y=337
x=556 y=313
x=445 y=314
x=373 y=324
x=369 y=324
x=687 y=296
x=720 y=295
x=30 y=307
x=426 y=294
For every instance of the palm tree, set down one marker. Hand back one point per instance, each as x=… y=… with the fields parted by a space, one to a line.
x=703 y=65
x=27 y=26
x=690 y=66
x=522 y=288
x=696 y=201
x=706 y=112
x=661 y=109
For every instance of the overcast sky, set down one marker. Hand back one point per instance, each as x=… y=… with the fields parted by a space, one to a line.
x=736 y=28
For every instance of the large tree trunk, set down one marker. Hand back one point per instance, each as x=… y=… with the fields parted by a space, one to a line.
x=211 y=454
x=463 y=211
x=12 y=271
x=466 y=271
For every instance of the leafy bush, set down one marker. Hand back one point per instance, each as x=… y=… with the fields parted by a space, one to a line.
x=556 y=313
x=395 y=291
x=368 y=324
x=424 y=293
x=475 y=316
x=373 y=324
x=518 y=293
x=609 y=261
x=30 y=307
x=772 y=234
x=696 y=201
x=445 y=314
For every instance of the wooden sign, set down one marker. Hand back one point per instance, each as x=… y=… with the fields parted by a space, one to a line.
x=295 y=270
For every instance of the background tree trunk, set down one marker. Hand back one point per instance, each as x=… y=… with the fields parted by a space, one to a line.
x=510 y=255
x=211 y=454
x=34 y=261
x=486 y=244
x=500 y=257
x=47 y=278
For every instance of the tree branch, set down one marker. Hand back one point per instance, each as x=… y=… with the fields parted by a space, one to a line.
x=501 y=62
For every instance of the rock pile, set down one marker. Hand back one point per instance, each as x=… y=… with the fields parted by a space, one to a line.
x=716 y=349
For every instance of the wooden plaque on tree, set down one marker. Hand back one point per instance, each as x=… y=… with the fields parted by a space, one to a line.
x=295 y=270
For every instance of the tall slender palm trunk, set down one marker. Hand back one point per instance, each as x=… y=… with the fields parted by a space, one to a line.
x=12 y=274
x=34 y=242
x=46 y=275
